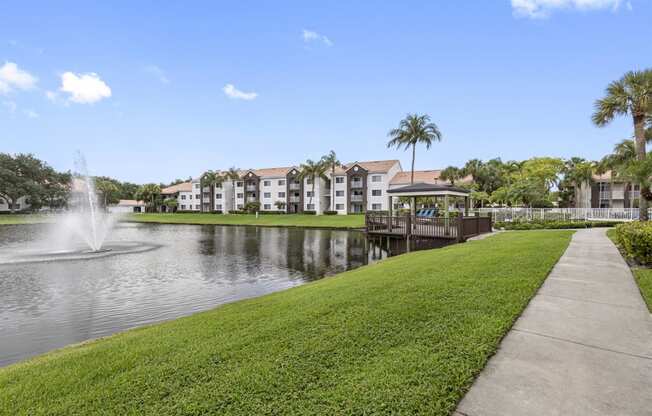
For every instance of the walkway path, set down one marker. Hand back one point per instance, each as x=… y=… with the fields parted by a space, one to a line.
x=583 y=346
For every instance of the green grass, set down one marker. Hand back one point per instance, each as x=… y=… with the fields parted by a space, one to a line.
x=13 y=219
x=404 y=336
x=643 y=276
x=291 y=220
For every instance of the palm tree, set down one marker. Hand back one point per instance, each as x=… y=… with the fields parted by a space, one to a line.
x=208 y=179
x=451 y=174
x=631 y=95
x=232 y=175
x=330 y=160
x=577 y=171
x=414 y=129
x=312 y=170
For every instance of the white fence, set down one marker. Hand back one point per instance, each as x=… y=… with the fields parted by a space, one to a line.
x=560 y=214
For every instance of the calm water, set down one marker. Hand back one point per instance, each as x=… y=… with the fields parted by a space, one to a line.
x=44 y=306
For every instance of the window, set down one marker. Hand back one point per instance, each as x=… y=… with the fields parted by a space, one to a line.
x=196 y=206
x=310 y=207
x=281 y=182
x=376 y=178
x=218 y=185
x=267 y=183
x=339 y=193
x=310 y=194
x=376 y=192
x=339 y=179
x=183 y=207
x=309 y=181
x=196 y=186
x=218 y=196
x=239 y=206
x=238 y=184
x=197 y=196
x=184 y=197
x=240 y=195
x=339 y=207
x=281 y=194
x=376 y=207
x=267 y=206
x=218 y=207
x=267 y=195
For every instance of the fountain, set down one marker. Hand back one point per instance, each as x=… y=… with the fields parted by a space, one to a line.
x=81 y=232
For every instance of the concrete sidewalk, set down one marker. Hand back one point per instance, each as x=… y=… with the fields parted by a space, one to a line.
x=583 y=346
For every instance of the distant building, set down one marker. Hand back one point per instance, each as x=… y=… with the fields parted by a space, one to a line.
x=607 y=192
x=125 y=206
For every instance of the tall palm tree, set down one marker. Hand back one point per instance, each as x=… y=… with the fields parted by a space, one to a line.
x=412 y=130
x=578 y=171
x=330 y=160
x=208 y=178
x=631 y=95
x=451 y=174
x=311 y=170
x=232 y=175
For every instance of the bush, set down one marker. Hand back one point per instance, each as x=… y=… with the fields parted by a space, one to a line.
x=552 y=225
x=330 y=212
x=252 y=207
x=310 y=212
x=635 y=239
x=238 y=211
x=271 y=212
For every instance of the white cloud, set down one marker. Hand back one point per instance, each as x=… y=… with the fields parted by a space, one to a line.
x=83 y=88
x=158 y=73
x=30 y=113
x=310 y=36
x=540 y=9
x=12 y=77
x=232 y=92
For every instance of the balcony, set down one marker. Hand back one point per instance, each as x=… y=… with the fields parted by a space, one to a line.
x=356 y=184
x=251 y=188
x=252 y=199
x=356 y=198
x=295 y=186
x=295 y=199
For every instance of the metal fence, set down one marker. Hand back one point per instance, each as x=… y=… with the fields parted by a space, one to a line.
x=559 y=214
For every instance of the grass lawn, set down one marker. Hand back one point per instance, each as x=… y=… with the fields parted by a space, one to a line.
x=643 y=276
x=12 y=219
x=291 y=220
x=404 y=336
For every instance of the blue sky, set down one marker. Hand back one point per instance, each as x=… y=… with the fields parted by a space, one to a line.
x=141 y=87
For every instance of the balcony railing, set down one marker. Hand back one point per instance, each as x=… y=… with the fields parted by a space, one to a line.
x=252 y=199
x=356 y=184
x=295 y=199
x=252 y=188
x=295 y=186
x=356 y=198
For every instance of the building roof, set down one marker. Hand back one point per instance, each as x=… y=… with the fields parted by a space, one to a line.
x=424 y=176
x=180 y=187
x=425 y=189
x=130 y=203
x=272 y=172
x=602 y=177
x=374 y=166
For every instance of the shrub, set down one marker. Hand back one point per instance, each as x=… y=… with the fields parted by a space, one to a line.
x=271 y=212
x=330 y=212
x=237 y=211
x=252 y=207
x=310 y=212
x=635 y=239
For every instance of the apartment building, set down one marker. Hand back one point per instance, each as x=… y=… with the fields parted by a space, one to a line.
x=607 y=192
x=19 y=205
x=187 y=194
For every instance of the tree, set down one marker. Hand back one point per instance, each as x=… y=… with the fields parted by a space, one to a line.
x=280 y=205
x=208 y=178
x=576 y=172
x=151 y=195
x=630 y=96
x=311 y=170
x=231 y=175
x=22 y=175
x=451 y=174
x=412 y=130
x=171 y=204
x=109 y=190
x=330 y=160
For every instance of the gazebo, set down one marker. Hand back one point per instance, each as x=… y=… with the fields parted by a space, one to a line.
x=428 y=226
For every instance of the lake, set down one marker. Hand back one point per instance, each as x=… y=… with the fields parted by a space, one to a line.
x=48 y=305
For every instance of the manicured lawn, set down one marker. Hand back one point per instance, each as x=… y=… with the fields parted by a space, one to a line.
x=404 y=336
x=13 y=219
x=292 y=220
x=642 y=276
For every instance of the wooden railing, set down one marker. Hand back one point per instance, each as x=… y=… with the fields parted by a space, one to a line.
x=458 y=228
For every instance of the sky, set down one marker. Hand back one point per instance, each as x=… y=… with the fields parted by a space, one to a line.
x=152 y=91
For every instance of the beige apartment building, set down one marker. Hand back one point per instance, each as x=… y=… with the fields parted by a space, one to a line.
x=607 y=192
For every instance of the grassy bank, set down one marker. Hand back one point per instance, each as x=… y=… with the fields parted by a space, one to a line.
x=291 y=220
x=13 y=219
x=642 y=275
x=406 y=335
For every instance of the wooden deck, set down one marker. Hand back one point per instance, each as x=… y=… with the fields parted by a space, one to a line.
x=406 y=226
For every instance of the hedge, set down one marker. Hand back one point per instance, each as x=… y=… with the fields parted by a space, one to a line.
x=635 y=240
x=552 y=225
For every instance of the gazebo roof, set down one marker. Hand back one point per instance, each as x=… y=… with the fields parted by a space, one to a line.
x=427 y=189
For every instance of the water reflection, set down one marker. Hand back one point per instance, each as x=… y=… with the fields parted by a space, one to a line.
x=48 y=305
